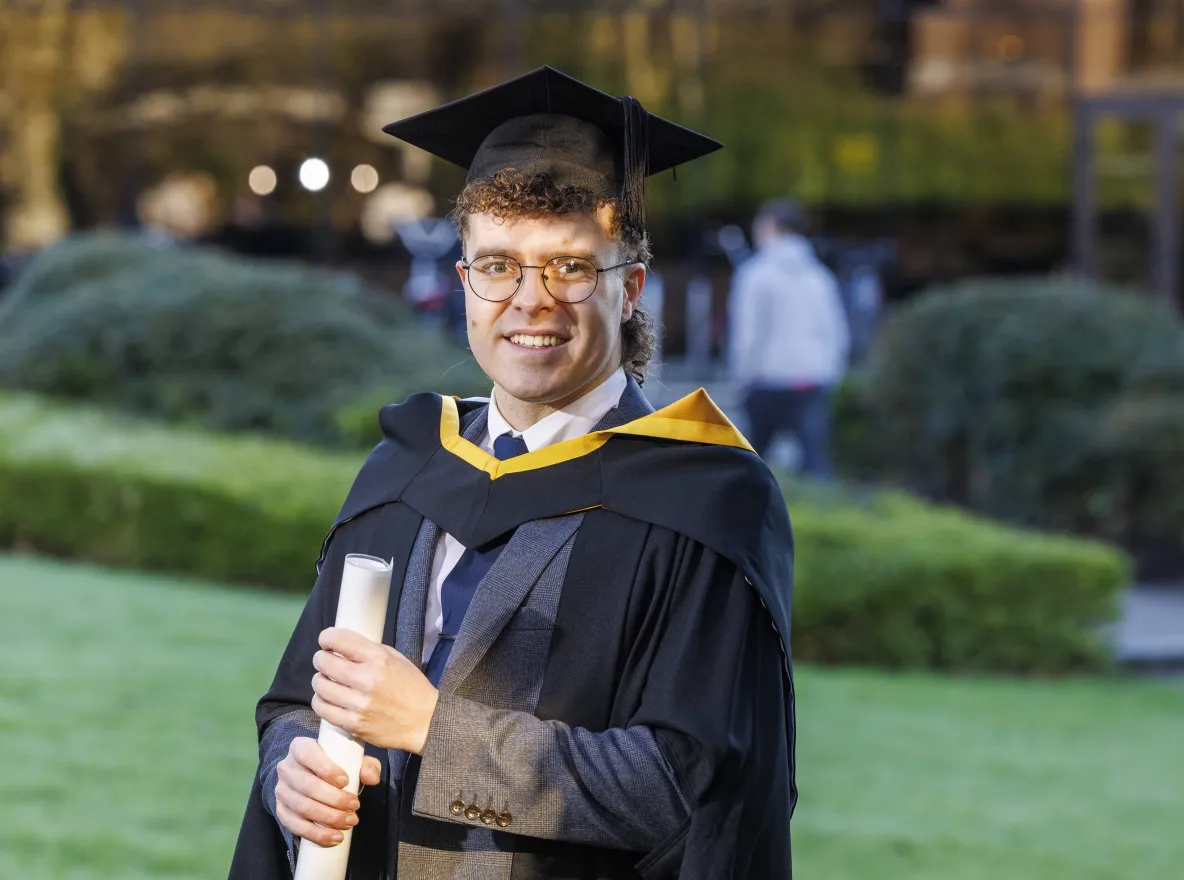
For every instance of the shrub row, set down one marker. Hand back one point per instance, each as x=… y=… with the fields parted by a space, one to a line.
x=881 y=579
x=886 y=580
x=78 y=482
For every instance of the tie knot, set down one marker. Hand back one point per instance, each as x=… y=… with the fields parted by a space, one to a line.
x=509 y=446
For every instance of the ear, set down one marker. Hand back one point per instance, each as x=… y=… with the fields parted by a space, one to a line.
x=634 y=283
x=460 y=270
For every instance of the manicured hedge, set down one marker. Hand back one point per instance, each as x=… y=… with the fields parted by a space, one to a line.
x=889 y=581
x=881 y=579
x=77 y=482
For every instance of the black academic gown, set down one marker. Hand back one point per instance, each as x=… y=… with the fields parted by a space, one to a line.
x=680 y=575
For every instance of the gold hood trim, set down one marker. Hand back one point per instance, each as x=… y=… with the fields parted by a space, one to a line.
x=694 y=419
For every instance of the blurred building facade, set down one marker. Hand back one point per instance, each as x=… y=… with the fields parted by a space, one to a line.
x=946 y=125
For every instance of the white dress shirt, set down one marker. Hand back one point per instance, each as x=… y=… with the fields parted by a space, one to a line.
x=574 y=420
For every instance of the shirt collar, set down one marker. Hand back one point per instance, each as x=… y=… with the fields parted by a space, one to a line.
x=576 y=419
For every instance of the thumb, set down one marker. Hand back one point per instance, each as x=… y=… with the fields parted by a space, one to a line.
x=371 y=773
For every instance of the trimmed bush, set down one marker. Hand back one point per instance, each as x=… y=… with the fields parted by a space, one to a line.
x=885 y=580
x=988 y=393
x=78 y=482
x=881 y=578
x=1130 y=488
x=86 y=259
x=191 y=334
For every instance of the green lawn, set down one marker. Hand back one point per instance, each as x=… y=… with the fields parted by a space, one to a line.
x=127 y=745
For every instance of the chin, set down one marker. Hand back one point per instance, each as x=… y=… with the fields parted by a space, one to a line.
x=535 y=389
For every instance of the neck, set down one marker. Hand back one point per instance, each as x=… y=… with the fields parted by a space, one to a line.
x=523 y=414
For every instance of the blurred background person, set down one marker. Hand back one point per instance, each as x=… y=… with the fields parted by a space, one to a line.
x=789 y=337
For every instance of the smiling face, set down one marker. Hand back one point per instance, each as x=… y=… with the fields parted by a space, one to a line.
x=543 y=354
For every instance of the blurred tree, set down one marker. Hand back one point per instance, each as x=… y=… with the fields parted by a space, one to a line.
x=32 y=57
x=51 y=57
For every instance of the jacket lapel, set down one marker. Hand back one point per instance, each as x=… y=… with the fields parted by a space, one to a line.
x=503 y=590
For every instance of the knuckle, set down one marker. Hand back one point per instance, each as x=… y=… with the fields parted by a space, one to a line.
x=300 y=747
x=307 y=809
x=333 y=818
x=288 y=819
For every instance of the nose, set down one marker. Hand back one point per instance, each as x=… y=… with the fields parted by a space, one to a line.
x=532 y=296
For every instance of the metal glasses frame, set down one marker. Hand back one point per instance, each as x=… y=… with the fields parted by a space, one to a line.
x=522 y=275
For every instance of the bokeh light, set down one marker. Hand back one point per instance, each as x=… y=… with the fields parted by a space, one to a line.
x=364 y=178
x=262 y=180
x=314 y=174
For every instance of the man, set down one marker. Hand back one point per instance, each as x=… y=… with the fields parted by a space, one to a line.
x=789 y=337
x=585 y=672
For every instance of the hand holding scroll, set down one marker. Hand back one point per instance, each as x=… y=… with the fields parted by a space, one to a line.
x=372 y=691
x=309 y=800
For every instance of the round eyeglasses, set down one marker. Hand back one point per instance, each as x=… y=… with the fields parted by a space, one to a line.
x=497 y=278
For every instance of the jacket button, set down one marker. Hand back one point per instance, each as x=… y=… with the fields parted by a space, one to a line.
x=488 y=817
x=456 y=807
x=504 y=819
x=472 y=812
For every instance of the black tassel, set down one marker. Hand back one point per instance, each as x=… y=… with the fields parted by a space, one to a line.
x=637 y=160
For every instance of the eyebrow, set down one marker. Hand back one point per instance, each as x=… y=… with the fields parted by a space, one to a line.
x=493 y=252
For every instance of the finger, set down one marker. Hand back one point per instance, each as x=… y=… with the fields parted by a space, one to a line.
x=336 y=693
x=336 y=668
x=306 y=830
x=304 y=784
x=371 y=773
x=335 y=715
x=311 y=810
x=309 y=755
x=349 y=644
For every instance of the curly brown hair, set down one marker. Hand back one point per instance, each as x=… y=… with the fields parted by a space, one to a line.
x=510 y=193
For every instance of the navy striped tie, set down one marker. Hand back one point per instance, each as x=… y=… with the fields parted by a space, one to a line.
x=458 y=588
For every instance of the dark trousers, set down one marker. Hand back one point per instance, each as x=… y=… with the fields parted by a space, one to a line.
x=805 y=412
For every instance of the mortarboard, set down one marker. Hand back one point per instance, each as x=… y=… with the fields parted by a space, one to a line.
x=547 y=121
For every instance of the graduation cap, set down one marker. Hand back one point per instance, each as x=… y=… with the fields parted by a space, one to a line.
x=546 y=121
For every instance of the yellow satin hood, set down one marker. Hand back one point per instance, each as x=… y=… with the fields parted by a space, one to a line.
x=694 y=419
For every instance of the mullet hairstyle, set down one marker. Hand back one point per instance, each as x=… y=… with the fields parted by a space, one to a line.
x=510 y=194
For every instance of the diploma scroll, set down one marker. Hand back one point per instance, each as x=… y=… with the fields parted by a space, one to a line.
x=365 y=586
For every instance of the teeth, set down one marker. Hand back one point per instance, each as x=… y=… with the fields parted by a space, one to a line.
x=536 y=341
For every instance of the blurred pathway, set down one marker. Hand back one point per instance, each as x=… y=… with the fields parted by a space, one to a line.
x=1151 y=631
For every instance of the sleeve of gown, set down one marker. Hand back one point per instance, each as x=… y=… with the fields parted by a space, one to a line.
x=284 y=713
x=273 y=748
x=708 y=691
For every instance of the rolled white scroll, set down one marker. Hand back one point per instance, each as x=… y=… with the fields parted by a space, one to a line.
x=365 y=586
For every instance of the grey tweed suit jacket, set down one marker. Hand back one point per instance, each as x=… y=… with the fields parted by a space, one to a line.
x=490 y=769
